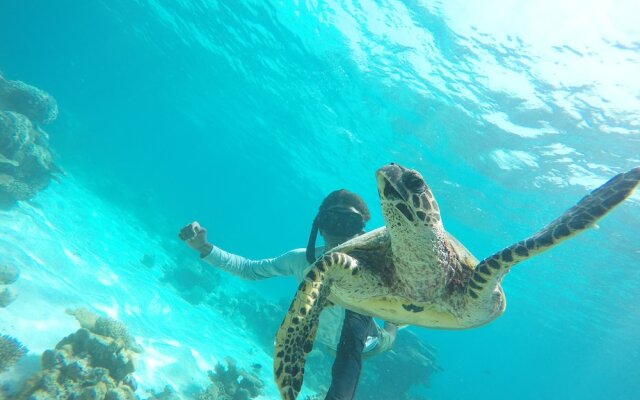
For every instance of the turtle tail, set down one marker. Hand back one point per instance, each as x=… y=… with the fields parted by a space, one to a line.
x=578 y=218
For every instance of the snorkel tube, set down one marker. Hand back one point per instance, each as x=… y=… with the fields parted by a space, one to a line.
x=341 y=221
x=311 y=244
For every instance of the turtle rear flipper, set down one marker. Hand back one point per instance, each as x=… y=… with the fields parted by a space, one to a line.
x=297 y=332
x=578 y=218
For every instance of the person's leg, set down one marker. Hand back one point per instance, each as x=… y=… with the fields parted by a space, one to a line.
x=348 y=363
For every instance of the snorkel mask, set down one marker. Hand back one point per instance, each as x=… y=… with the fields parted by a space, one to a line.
x=339 y=220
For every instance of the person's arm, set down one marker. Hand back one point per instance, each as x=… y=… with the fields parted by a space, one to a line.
x=392 y=331
x=287 y=264
x=386 y=338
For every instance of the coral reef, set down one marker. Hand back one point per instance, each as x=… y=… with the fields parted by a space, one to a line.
x=26 y=163
x=11 y=350
x=8 y=275
x=231 y=383
x=96 y=362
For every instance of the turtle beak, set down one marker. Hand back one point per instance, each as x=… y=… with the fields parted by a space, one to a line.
x=385 y=176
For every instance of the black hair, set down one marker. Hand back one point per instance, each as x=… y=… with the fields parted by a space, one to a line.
x=338 y=198
x=345 y=198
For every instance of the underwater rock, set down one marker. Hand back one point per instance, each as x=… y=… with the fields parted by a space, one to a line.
x=231 y=383
x=36 y=104
x=26 y=164
x=8 y=274
x=86 y=365
x=11 y=350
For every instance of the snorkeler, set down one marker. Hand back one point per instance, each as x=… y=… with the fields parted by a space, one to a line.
x=341 y=216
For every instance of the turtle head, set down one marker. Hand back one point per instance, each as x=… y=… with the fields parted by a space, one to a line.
x=409 y=209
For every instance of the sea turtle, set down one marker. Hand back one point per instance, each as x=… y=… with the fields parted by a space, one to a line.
x=411 y=271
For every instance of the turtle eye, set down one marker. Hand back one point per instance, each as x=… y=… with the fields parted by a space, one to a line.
x=413 y=181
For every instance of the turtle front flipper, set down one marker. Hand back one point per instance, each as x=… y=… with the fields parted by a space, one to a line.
x=581 y=216
x=297 y=332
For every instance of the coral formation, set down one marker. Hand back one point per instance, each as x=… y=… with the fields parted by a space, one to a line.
x=11 y=350
x=231 y=383
x=85 y=318
x=116 y=330
x=92 y=363
x=36 y=104
x=104 y=326
x=26 y=163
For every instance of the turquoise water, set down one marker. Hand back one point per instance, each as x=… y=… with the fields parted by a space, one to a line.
x=243 y=115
